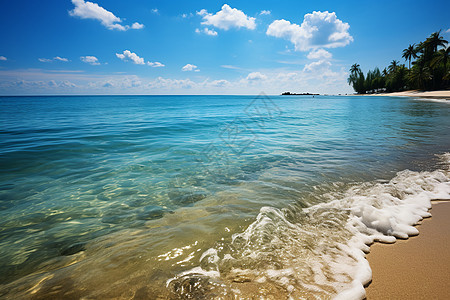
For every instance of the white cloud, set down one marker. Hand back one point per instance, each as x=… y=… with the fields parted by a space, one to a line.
x=92 y=60
x=190 y=67
x=256 y=76
x=220 y=83
x=206 y=31
x=447 y=31
x=137 y=25
x=90 y=10
x=60 y=58
x=155 y=11
x=317 y=66
x=127 y=54
x=3 y=58
x=265 y=12
x=318 y=30
x=227 y=18
x=155 y=64
x=56 y=58
x=319 y=54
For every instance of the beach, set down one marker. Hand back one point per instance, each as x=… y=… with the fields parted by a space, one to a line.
x=416 y=268
x=441 y=94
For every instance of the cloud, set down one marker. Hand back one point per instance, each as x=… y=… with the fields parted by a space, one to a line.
x=318 y=30
x=155 y=11
x=220 y=83
x=60 y=58
x=189 y=15
x=155 y=64
x=265 y=12
x=128 y=55
x=90 y=10
x=56 y=58
x=190 y=67
x=227 y=18
x=256 y=76
x=447 y=31
x=92 y=60
x=3 y=58
x=206 y=31
x=317 y=66
x=137 y=25
x=319 y=54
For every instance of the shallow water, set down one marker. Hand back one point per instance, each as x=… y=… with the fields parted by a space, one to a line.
x=207 y=196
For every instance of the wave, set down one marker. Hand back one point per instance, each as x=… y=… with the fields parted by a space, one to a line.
x=319 y=251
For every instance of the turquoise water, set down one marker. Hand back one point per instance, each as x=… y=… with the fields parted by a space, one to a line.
x=126 y=192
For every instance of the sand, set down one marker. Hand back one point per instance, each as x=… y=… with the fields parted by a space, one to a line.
x=442 y=94
x=417 y=268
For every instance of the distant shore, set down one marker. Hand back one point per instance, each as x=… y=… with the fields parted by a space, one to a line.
x=441 y=94
x=417 y=268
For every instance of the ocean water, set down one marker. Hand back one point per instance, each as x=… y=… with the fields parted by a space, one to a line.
x=211 y=197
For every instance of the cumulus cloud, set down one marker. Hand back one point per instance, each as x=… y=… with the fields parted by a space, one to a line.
x=89 y=10
x=128 y=55
x=227 y=18
x=265 y=12
x=155 y=64
x=206 y=31
x=318 y=30
x=317 y=66
x=137 y=25
x=256 y=76
x=220 y=83
x=155 y=11
x=319 y=54
x=3 y=58
x=190 y=67
x=92 y=60
x=56 y=58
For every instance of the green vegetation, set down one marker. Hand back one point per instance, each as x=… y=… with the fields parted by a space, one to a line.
x=428 y=69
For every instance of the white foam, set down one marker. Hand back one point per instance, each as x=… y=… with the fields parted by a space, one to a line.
x=324 y=251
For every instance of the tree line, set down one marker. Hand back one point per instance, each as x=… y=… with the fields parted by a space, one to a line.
x=428 y=69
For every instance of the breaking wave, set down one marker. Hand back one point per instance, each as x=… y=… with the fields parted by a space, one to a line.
x=319 y=251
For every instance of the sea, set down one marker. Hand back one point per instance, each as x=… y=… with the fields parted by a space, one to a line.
x=211 y=197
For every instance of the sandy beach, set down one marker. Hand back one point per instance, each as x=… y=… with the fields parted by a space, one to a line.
x=417 y=268
x=442 y=94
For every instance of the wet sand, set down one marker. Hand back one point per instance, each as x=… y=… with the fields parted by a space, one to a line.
x=417 y=268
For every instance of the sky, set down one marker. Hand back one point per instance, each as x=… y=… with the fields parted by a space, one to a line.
x=76 y=47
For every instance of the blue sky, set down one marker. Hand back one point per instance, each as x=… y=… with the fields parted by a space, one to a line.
x=203 y=47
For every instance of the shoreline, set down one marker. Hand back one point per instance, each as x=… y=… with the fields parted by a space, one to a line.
x=441 y=94
x=416 y=268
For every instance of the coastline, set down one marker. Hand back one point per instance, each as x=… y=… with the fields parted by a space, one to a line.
x=416 y=268
x=441 y=94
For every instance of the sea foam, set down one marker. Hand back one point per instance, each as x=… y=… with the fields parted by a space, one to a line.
x=319 y=251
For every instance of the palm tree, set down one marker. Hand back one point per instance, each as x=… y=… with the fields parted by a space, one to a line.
x=355 y=69
x=410 y=53
x=434 y=41
x=393 y=66
x=443 y=56
x=419 y=76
